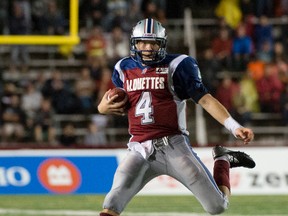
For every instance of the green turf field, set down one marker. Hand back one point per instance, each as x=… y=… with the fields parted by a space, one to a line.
x=139 y=206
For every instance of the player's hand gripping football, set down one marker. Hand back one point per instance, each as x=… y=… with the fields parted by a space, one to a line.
x=109 y=106
x=246 y=134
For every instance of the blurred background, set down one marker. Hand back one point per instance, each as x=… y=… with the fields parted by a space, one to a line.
x=50 y=89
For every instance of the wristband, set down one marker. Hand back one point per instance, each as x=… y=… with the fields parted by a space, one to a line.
x=231 y=124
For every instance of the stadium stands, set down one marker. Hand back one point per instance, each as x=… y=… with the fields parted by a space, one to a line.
x=45 y=59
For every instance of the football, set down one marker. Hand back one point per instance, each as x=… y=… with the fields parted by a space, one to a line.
x=117 y=91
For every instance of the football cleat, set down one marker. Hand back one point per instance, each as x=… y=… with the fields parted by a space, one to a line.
x=236 y=158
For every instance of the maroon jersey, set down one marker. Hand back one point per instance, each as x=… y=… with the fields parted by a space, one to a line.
x=157 y=109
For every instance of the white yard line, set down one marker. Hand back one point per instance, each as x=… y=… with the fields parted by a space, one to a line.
x=47 y=212
x=95 y=213
x=85 y=213
x=163 y=214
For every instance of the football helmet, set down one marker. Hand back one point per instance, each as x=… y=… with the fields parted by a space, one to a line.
x=148 y=29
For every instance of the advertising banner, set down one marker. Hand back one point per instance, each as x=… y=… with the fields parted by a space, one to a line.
x=92 y=171
x=56 y=174
x=270 y=176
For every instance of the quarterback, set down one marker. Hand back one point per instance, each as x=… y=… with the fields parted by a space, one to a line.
x=158 y=85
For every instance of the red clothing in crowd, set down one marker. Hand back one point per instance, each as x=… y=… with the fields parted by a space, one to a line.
x=269 y=88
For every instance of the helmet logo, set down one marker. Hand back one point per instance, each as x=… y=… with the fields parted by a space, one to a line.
x=149 y=35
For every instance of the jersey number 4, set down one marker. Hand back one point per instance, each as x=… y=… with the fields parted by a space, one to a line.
x=144 y=108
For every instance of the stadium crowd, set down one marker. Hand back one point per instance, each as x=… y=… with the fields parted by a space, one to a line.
x=244 y=63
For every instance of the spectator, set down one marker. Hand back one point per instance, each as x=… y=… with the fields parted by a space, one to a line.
x=19 y=25
x=13 y=120
x=256 y=68
x=116 y=15
x=283 y=36
x=53 y=83
x=280 y=61
x=265 y=53
x=31 y=99
x=284 y=105
x=230 y=11
x=54 y=19
x=38 y=17
x=154 y=9
x=40 y=81
x=226 y=91
x=85 y=90
x=250 y=21
x=9 y=90
x=246 y=100
x=281 y=8
x=133 y=15
x=247 y=7
x=264 y=7
x=68 y=138
x=242 y=49
x=44 y=129
x=222 y=24
x=117 y=45
x=222 y=48
x=26 y=6
x=29 y=130
x=94 y=136
x=263 y=33
x=279 y=52
x=95 y=44
x=269 y=88
x=105 y=83
x=101 y=75
x=96 y=69
x=93 y=12
x=70 y=105
x=210 y=68
x=56 y=88
x=3 y=16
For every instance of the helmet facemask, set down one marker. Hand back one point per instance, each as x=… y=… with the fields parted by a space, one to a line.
x=146 y=30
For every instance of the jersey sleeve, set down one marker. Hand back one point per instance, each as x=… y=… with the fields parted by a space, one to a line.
x=117 y=75
x=187 y=80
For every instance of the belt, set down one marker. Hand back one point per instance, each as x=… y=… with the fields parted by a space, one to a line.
x=159 y=143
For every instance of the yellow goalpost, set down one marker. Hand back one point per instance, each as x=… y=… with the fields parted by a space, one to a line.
x=70 y=39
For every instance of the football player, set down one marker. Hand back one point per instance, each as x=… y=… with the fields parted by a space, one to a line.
x=158 y=85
